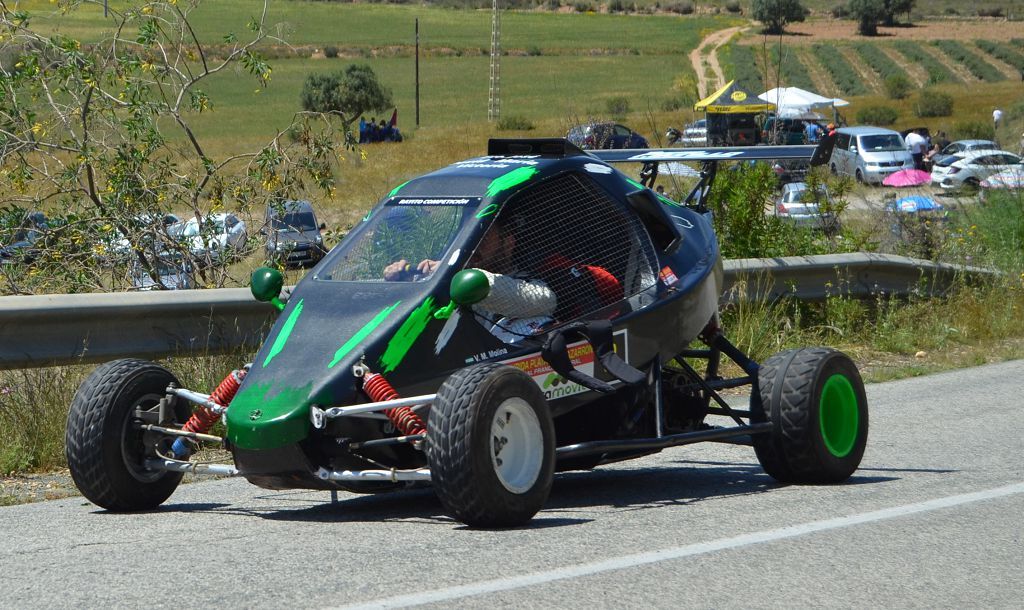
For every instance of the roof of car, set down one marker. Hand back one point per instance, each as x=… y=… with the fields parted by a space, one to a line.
x=982 y=152
x=973 y=142
x=863 y=130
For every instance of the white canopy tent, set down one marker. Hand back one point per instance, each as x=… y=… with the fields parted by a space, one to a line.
x=799 y=98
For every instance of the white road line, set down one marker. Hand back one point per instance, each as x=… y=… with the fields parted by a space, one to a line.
x=629 y=561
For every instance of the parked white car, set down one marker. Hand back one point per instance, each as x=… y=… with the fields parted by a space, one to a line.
x=219 y=234
x=174 y=274
x=971 y=167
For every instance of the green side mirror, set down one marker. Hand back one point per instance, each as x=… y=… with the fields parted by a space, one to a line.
x=266 y=286
x=469 y=286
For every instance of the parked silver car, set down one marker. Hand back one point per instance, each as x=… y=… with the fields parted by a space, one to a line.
x=801 y=207
x=869 y=154
x=965 y=145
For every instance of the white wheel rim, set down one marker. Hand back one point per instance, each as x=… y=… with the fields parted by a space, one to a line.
x=517 y=445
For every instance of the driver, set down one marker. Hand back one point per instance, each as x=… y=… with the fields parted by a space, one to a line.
x=515 y=306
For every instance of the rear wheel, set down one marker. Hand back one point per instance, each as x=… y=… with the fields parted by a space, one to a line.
x=815 y=401
x=859 y=176
x=106 y=452
x=491 y=446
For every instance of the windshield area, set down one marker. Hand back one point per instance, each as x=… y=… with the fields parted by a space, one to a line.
x=294 y=221
x=881 y=143
x=398 y=232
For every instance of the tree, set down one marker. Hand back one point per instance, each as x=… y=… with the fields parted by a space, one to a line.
x=100 y=134
x=896 y=7
x=775 y=14
x=867 y=13
x=348 y=94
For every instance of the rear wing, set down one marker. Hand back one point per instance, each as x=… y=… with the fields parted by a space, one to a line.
x=709 y=159
x=730 y=153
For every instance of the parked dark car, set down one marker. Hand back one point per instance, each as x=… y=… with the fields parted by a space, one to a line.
x=733 y=130
x=605 y=135
x=293 y=234
x=783 y=131
x=21 y=241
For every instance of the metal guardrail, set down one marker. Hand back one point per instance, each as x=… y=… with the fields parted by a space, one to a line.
x=45 y=330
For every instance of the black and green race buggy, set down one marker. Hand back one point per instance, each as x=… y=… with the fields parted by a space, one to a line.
x=370 y=385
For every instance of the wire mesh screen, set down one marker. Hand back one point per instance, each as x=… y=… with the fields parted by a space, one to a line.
x=573 y=236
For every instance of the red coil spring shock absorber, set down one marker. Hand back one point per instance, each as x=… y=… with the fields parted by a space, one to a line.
x=203 y=418
x=403 y=418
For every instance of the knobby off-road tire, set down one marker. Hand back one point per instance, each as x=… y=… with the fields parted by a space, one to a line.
x=814 y=398
x=491 y=446
x=105 y=452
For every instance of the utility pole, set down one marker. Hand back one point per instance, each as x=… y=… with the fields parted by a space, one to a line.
x=417 y=71
x=493 y=96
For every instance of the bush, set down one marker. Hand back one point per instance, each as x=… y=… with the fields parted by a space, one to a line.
x=733 y=6
x=993 y=11
x=678 y=101
x=330 y=51
x=974 y=130
x=514 y=122
x=932 y=103
x=897 y=86
x=877 y=115
x=682 y=8
x=617 y=107
x=616 y=6
x=584 y=7
x=534 y=51
x=840 y=11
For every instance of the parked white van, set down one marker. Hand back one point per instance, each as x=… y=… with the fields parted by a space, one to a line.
x=869 y=154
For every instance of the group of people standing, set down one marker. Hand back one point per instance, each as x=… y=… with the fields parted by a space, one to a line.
x=371 y=131
x=923 y=148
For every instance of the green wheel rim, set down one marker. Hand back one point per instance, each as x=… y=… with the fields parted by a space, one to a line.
x=838 y=415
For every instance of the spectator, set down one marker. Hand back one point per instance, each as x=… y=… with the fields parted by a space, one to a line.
x=917 y=145
x=942 y=140
x=813 y=132
x=997 y=118
x=362 y=130
x=930 y=156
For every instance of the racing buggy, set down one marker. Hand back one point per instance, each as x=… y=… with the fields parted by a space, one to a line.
x=388 y=366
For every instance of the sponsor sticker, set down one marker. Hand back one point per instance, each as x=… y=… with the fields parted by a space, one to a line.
x=554 y=386
x=667 y=276
x=436 y=201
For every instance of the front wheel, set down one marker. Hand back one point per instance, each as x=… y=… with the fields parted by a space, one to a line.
x=106 y=451
x=491 y=446
x=814 y=398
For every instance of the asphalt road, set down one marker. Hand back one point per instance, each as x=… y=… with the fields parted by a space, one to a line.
x=933 y=519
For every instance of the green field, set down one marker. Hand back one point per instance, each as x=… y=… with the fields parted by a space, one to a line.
x=380 y=26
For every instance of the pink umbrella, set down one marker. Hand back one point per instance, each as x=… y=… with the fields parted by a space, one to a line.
x=907 y=177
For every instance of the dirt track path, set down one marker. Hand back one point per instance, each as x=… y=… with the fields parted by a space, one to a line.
x=702 y=57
